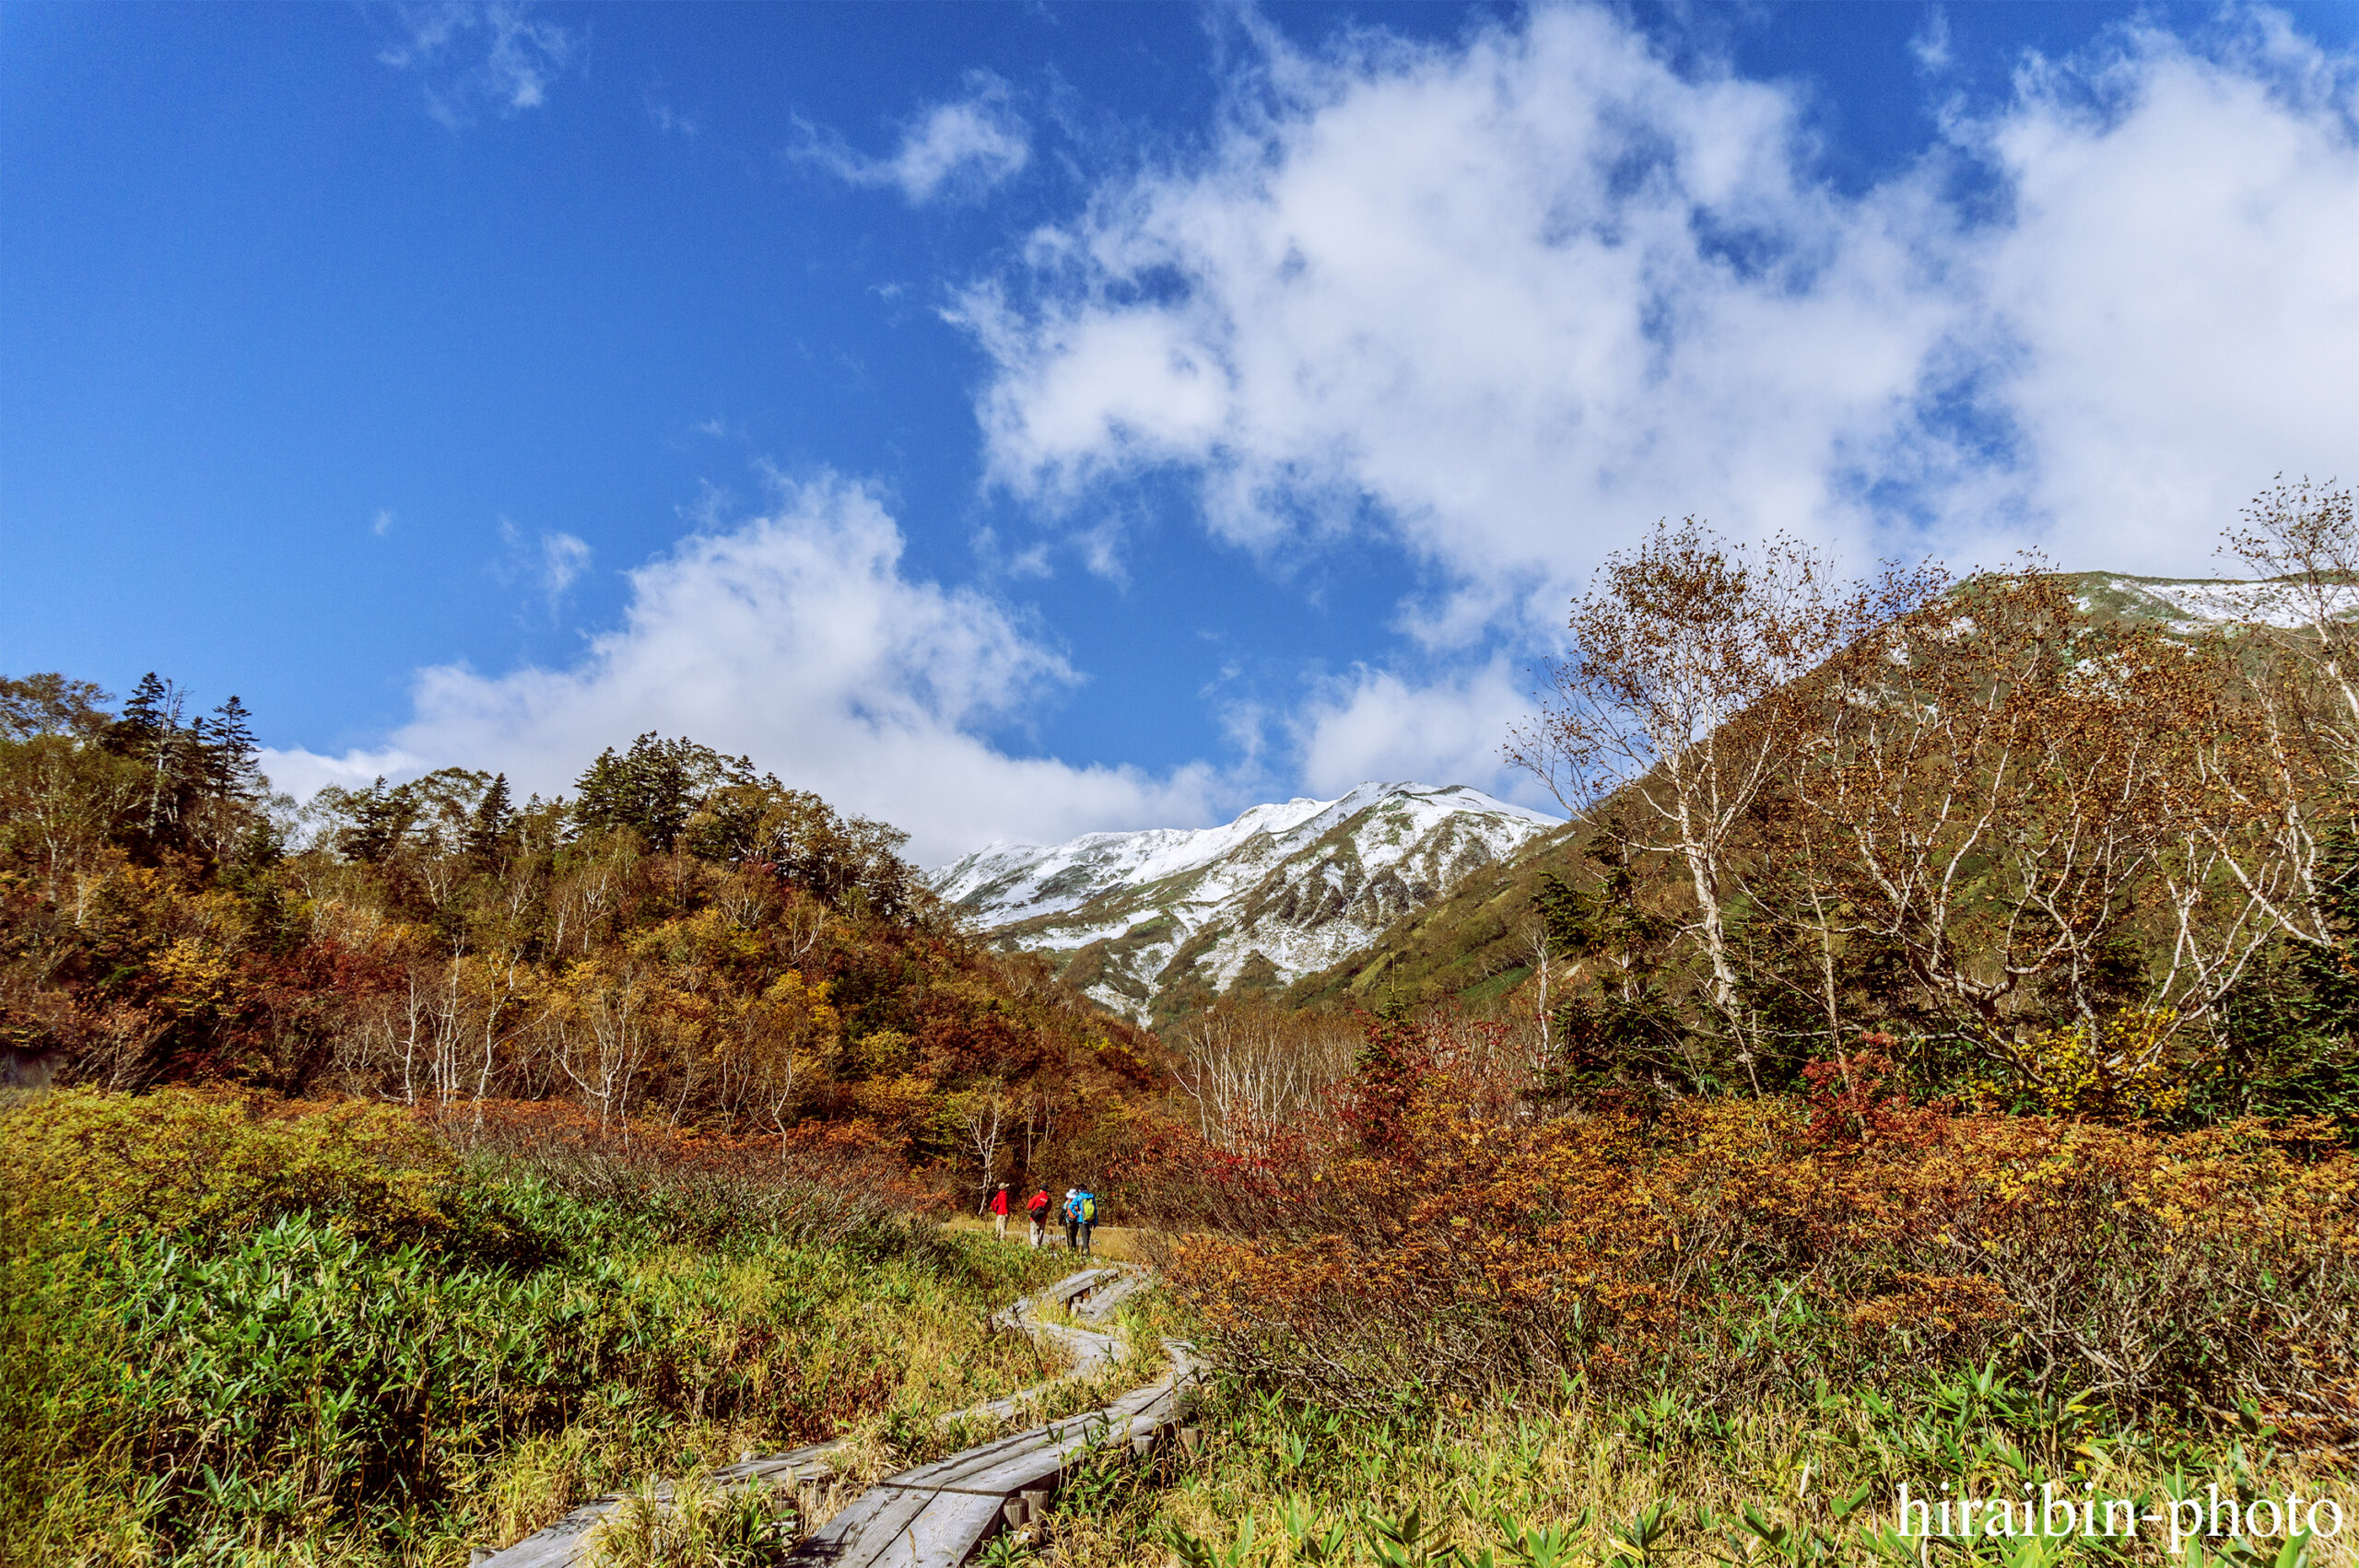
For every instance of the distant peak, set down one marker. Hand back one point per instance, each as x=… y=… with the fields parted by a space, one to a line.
x=1280 y=890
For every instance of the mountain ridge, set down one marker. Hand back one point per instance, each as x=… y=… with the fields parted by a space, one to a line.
x=1156 y=921
x=1464 y=948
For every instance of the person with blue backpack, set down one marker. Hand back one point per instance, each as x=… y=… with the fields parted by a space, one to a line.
x=1086 y=1208
x=1071 y=1215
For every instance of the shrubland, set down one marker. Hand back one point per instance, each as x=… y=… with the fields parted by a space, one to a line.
x=1463 y=1323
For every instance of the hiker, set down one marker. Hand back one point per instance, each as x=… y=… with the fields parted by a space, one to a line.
x=1073 y=1220
x=1086 y=1206
x=999 y=1211
x=1037 y=1207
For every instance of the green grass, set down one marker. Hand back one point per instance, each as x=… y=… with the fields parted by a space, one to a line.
x=1578 y=1482
x=294 y=1390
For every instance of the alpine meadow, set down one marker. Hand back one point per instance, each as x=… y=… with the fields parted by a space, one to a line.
x=1561 y=786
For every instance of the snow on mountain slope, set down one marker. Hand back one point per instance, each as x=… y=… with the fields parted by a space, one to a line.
x=2192 y=603
x=1154 y=922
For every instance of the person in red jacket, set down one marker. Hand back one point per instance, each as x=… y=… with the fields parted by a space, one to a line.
x=1039 y=1206
x=999 y=1211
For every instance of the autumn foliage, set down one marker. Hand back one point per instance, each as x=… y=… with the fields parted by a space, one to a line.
x=682 y=948
x=1446 y=1239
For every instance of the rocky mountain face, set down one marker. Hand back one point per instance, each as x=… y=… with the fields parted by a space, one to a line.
x=1154 y=922
x=1422 y=882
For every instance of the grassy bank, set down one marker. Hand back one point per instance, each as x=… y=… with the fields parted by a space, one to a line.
x=1597 y=1481
x=239 y=1330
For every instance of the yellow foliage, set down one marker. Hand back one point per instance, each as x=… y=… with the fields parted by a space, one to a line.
x=2124 y=1069
x=194 y=979
x=220 y=1163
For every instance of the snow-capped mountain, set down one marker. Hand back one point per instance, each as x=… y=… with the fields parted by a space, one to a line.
x=1149 y=922
x=2195 y=602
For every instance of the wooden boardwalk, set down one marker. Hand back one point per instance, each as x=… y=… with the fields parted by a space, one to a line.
x=567 y=1541
x=937 y=1514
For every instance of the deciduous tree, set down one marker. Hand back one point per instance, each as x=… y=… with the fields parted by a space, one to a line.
x=1681 y=698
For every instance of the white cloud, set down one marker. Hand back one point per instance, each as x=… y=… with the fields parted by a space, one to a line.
x=552 y=563
x=797 y=639
x=302 y=773
x=1522 y=295
x=958 y=150
x=2180 y=279
x=1930 y=43
x=666 y=119
x=1448 y=730
x=383 y=522
x=563 y=560
x=484 y=53
x=1504 y=301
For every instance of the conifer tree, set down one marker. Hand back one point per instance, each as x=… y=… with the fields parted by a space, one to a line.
x=149 y=733
x=378 y=820
x=654 y=787
x=229 y=751
x=492 y=828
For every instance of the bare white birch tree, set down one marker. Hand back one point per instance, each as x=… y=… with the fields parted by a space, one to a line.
x=1680 y=699
x=1249 y=1070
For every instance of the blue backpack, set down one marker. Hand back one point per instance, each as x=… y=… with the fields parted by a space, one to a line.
x=1088 y=1208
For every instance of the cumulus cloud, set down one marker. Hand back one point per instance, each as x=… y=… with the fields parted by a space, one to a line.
x=2175 y=291
x=1505 y=300
x=480 y=54
x=797 y=639
x=1374 y=725
x=958 y=150
x=303 y=774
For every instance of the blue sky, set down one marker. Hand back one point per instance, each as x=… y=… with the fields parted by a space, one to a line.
x=1018 y=420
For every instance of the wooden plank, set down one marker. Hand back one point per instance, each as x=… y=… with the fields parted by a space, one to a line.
x=1007 y=1409
x=934 y=1516
x=1162 y=1410
x=946 y=1534
x=1072 y=1285
x=981 y=1457
x=559 y=1543
x=864 y=1533
x=798 y=1464
x=1012 y=1475
x=958 y=1469
x=1063 y=1290
x=1088 y=1349
x=1101 y=1303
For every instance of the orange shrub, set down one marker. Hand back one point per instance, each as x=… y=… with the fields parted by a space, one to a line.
x=1449 y=1241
